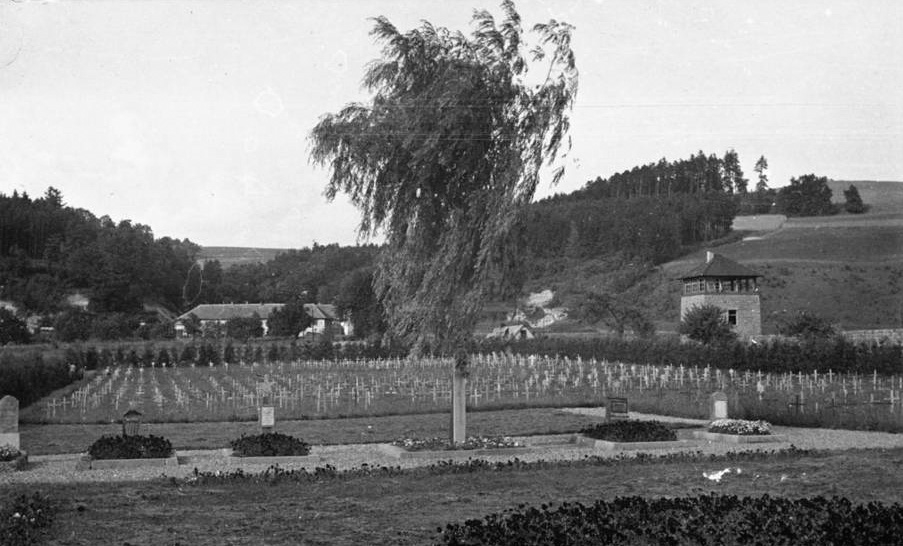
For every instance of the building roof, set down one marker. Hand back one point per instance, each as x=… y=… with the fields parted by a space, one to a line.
x=719 y=266
x=226 y=311
x=321 y=311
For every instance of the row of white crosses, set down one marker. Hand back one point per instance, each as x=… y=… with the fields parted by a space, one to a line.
x=494 y=377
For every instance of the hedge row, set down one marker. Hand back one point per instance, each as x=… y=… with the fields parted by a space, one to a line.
x=711 y=519
x=29 y=376
x=835 y=354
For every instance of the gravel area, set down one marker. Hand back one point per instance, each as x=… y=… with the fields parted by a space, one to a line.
x=62 y=468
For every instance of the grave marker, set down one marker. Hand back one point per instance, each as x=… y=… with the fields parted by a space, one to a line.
x=719 y=406
x=616 y=409
x=9 y=421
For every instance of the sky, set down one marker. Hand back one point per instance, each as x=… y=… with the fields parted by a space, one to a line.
x=193 y=117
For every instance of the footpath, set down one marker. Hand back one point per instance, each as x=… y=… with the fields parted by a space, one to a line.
x=70 y=468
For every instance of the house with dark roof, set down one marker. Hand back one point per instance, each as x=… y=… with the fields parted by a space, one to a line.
x=726 y=284
x=217 y=314
x=325 y=318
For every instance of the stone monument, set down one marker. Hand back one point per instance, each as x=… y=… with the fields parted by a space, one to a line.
x=719 y=406
x=9 y=421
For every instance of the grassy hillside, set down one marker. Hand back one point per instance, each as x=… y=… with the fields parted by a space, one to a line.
x=846 y=268
x=234 y=255
x=882 y=196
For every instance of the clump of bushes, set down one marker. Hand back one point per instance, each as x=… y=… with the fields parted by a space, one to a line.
x=471 y=442
x=269 y=444
x=740 y=427
x=131 y=447
x=24 y=519
x=630 y=431
x=710 y=519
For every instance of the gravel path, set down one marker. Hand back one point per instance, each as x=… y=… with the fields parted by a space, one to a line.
x=62 y=468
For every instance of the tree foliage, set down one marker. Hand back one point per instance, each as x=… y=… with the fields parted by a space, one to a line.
x=12 y=329
x=706 y=324
x=450 y=146
x=48 y=250
x=806 y=326
x=853 y=204
x=808 y=195
x=289 y=320
x=243 y=328
x=615 y=314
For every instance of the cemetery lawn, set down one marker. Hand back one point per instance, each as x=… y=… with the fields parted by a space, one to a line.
x=409 y=508
x=54 y=439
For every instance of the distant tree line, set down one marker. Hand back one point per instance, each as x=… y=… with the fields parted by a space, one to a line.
x=49 y=250
x=654 y=228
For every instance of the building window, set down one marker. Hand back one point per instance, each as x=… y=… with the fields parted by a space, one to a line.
x=732 y=317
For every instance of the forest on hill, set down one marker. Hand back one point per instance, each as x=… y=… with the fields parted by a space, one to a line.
x=610 y=233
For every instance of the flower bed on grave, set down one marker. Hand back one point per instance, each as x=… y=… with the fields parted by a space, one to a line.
x=443 y=444
x=129 y=451
x=740 y=427
x=627 y=434
x=413 y=448
x=12 y=458
x=739 y=431
x=269 y=444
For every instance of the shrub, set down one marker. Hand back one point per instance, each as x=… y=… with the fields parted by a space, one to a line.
x=710 y=519
x=740 y=427
x=24 y=518
x=269 y=444
x=8 y=453
x=131 y=447
x=630 y=431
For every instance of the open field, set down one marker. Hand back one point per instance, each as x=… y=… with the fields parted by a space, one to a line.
x=234 y=255
x=409 y=507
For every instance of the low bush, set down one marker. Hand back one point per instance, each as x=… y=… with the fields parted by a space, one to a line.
x=710 y=519
x=131 y=447
x=269 y=444
x=631 y=431
x=740 y=427
x=472 y=442
x=24 y=519
x=8 y=453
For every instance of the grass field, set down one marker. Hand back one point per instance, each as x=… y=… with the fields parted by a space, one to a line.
x=54 y=439
x=409 y=507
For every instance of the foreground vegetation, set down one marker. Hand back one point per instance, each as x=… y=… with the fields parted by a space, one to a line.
x=394 y=506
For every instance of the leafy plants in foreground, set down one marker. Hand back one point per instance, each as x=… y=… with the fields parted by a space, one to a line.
x=269 y=444
x=710 y=519
x=131 y=447
x=631 y=431
x=740 y=427
x=24 y=519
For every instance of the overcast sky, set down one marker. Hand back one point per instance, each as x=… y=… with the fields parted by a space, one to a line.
x=193 y=117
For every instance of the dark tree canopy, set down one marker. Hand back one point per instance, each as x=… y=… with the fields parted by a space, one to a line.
x=706 y=324
x=808 y=195
x=450 y=146
x=853 y=202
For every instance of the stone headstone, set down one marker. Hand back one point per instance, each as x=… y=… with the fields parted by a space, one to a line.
x=616 y=409
x=718 y=406
x=9 y=421
x=267 y=417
